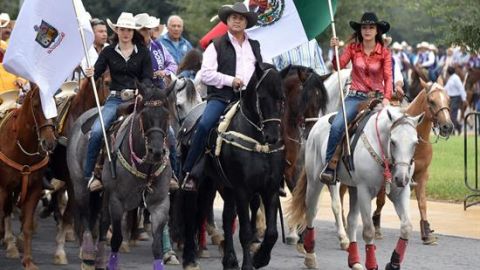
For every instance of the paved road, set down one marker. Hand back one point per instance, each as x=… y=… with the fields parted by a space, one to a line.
x=451 y=253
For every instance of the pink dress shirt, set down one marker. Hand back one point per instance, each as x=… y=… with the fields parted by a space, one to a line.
x=245 y=64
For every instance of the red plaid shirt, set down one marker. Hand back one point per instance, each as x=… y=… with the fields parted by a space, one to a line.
x=369 y=72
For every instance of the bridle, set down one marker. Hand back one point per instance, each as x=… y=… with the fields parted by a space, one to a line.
x=434 y=113
x=262 y=121
x=399 y=122
x=40 y=147
x=145 y=134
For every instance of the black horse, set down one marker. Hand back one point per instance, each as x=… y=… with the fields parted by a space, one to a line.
x=143 y=175
x=249 y=162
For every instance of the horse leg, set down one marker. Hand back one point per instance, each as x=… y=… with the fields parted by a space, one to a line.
x=377 y=213
x=337 y=212
x=314 y=187
x=9 y=238
x=28 y=209
x=116 y=215
x=364 y=201
x=420 y=192
x=242 y=201
x=402 y=208
x=343 y=190
x=255 y=213
x=229 y=260
x=60 y=257
x=189 y=212
x=159 y=217
x=271 y=203
x=352 y=221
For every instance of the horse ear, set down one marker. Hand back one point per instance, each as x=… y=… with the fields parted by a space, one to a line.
x=419 y=118
x=389 y=115
x=440 y=80
x=284 y=72
x=302 y=75
x=325 y=77
x=423 y=83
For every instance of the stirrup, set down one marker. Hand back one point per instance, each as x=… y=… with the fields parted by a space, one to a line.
x=94 y=184
x=328 y=178
x=188 y=183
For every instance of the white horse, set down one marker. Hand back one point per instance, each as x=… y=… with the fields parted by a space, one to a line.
x=388 y=131
x=332 y=86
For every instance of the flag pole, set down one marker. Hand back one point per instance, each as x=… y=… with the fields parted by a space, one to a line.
x=342 y=97
x=94 y=87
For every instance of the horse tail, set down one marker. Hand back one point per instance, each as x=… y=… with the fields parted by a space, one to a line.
x=297 y=207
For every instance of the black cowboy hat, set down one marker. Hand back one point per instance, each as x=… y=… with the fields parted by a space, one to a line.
x=238 y=8
x=370 y=18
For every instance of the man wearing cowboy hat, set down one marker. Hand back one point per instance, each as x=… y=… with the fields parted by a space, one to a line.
x=228 y=65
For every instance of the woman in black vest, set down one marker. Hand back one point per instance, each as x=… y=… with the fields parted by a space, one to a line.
x=228 y=64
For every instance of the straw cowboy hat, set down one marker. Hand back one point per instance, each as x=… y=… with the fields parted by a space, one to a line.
x=238 y=8
x=423 y=45
x=397 y=46
x=126 y=20
x=146 y=21
x=8 y=100
x=67 y=89
x=4 y=20
x=370 y=18
x=387 y=39
x=433 y=48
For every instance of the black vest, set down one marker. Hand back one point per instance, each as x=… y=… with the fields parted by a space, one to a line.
x=227 y=64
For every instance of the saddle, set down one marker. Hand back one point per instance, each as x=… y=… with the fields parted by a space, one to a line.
x=355 y=128
x=8 y=101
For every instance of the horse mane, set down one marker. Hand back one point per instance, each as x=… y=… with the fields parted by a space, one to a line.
x=311 y=82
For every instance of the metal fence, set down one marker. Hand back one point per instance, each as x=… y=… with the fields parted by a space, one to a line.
x=471 y=183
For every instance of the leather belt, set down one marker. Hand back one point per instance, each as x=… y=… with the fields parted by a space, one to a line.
x=366 y=94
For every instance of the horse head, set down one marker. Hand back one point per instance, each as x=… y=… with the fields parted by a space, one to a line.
x=438 y=110
x=306 y=95
x=44 y=128
x=186 y=97
x=154 y=115
x=402 y=142
x=262 y=103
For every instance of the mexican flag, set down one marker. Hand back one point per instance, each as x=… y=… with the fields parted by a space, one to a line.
x=282 y=24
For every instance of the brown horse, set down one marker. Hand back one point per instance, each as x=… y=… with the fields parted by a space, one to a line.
x=26 y=139
x=473 y=76
x=434 y=101
x=80 y=103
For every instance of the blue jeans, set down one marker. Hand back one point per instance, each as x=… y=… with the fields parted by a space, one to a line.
x=455 y=105
x=172 y=148
x=109 y=113
x=338 y=125
x=210 y=117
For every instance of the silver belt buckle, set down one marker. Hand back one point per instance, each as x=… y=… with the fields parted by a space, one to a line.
x=127 y=94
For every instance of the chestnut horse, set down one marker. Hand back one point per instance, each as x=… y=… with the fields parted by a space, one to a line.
x=80 y=103
x=434 y=101
x=26 y=139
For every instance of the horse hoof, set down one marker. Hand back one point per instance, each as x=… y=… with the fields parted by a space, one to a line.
x=311 y=261
x=291 y=240
x=203 y=253
x=254 y=247
x=12 y=252
x=378 y=234
x=217 y=238
x=84 y=266
x=192 y=266
x=60 y=258
x=220 y=247
x=31 y=266
x=344 y=244
x=431 y=240
x=357 y=266
x=390 y=267
x=124 y=248
x=301 y=248
x=143 y=236
x=170 y=258
x=132 y=243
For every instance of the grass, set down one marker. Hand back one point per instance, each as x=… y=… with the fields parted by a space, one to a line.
x=447 y=176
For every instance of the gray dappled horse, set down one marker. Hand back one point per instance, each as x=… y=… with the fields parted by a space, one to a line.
x=143 y=175
x=389 y=131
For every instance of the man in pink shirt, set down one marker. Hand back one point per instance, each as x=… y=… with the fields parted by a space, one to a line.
x=228 y=65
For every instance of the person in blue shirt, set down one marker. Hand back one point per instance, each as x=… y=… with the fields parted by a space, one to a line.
x=176 y=45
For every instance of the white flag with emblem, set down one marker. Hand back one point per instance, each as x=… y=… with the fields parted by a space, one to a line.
x=45 y=45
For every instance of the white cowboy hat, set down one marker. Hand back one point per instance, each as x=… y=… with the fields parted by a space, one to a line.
x=146 y=21
x=68 y=89
x=4 y=19
x=126 y=20
x=432 y=47
x=387 y=39
x=397 y=46
x=8 y=100
x=404 y=44
x=423 y=44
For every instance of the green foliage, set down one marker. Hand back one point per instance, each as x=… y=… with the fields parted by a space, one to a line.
x=10 y=7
